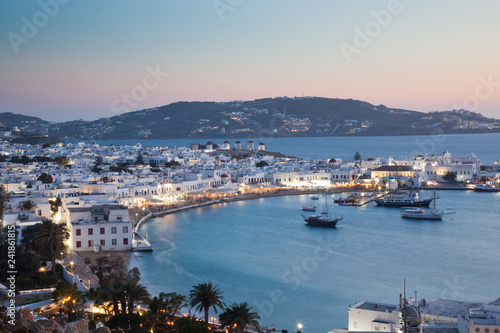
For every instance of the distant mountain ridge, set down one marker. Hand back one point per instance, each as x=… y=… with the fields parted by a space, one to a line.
x=277 y=117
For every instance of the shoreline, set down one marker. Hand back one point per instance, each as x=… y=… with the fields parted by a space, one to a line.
x=151 y=213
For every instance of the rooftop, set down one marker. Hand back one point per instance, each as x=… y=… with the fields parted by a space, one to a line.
x=371 y=306
x=448 y=308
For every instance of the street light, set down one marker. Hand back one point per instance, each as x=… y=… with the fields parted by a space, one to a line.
x=299 y=326
x=71 y=264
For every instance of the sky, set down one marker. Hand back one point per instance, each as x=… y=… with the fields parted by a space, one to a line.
x=86 y=59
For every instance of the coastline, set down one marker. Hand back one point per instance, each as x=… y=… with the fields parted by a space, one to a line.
x=151 y=213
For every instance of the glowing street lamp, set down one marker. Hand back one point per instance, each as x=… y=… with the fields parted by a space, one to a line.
x=299 y=326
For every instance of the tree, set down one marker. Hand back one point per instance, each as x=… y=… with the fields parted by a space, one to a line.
x=190 y=325
x=62 y=160
x=205 y=296
x=49 y=236
x=54 y=205
x=357 y=156
x=27 y=205
x=135 y=292
x=140 y=159
x=172 y=164
x=45 y=178
x=21 y=160
x=450 y=177
x=261 y=164
x=172 y=303
x=239 y=316
x=97 y=163
x=69 y=295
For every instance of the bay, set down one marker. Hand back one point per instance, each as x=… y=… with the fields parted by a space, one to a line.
x=485 y=146
x=260 y=251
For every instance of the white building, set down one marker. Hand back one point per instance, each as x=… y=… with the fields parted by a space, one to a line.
x=373 y=317
x=99 y=227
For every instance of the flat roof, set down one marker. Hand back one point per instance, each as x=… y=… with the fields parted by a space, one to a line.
x=372 y=306
x=448 y=308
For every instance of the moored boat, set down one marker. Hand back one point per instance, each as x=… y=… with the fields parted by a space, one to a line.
x=309 y=208
x=424 y=214
x=314 y=197
x=344 y=200
x=405 y=199
x=485 y=188
x=321 y=221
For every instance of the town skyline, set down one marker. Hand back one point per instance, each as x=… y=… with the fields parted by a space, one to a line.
x=417 y=56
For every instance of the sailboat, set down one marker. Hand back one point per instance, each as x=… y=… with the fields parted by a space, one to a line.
x=420 y=213
x=322 y=220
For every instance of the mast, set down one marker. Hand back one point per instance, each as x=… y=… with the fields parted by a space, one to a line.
x=404 y=309
x=434 y=198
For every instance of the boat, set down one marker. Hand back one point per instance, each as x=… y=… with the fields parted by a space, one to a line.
x=485 y=188
x=314 y=197
x=405 y=199
x=323 y=220
x=349 y=199
x=424 y=214
x=308 y=208
x=421 y=213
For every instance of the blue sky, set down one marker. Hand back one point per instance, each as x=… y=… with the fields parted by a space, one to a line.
x=86 y=57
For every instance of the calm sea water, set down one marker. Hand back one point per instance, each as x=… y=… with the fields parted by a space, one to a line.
x=485 y=146
x=261 y=252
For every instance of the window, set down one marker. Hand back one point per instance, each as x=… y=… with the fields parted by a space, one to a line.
x=78 y=244
x=125 y=230
x=39 y=212
x=91 y=231
x=103 y=242
x=78 y=232
x=113 y=230
x=103 y=231
x=125 y=241
x=91 y=243
x=113 y=242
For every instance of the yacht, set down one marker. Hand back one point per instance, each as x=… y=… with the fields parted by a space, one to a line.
x=421 y=213
x=424 y=214
x=405 y=199
x=309 y=208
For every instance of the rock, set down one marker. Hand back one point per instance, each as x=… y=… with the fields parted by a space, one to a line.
x=51 y=326
x=25 y=314
x=35 y=327
x=79 y=326
x=20 y=326
x=62 y=320
x=102 y=330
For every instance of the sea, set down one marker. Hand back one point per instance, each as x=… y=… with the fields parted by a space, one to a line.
x=484 y=146
x=261 y=252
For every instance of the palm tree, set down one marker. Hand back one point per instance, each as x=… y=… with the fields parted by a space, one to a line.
x=239 y=316
x=50 y=236
x=205 y=295
x=27 y=205
x=135 y=292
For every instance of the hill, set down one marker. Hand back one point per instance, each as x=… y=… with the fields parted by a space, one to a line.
x=278 y=117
